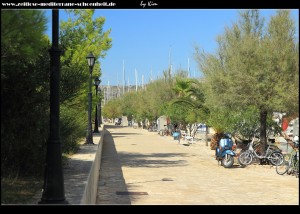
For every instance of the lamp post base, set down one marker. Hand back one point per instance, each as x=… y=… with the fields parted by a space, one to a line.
x=89 y=140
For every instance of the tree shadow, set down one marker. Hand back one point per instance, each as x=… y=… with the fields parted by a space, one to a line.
x=76 y=172
x=112 y=188
x=114 y=126
x=88 y=149
x=115 y=135
x=111 y=179
x=153 y=160
x=122 y=133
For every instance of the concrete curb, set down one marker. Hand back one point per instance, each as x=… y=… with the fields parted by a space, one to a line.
x=90 y=192
x=81 y=173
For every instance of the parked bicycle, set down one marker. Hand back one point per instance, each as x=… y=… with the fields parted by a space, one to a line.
x=168 y=130
x=290 y=164
x=152 y=127
x=272 y=154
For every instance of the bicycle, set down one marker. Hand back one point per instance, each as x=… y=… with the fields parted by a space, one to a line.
x=271 y=154
x=290 y=164
x=168 y=130
x=152 y=127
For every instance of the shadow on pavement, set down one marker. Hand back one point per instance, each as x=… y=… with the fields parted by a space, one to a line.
x=154 y=160
x=111 y=179
x=86 y=150
x=75 y=173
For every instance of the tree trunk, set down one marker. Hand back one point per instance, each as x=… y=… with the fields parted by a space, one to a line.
x=206 y=140
x=263 y=128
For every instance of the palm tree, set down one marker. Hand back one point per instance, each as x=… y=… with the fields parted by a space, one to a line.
x=189 y=92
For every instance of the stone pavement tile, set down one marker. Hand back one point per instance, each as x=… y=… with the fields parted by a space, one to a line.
x=173 y=173
x=76 y=171
x=111 y=176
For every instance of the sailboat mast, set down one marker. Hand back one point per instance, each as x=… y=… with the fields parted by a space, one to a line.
x=189 y=68
x=123 y=77
x=136 y=86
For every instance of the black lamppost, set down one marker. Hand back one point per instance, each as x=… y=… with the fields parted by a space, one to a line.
x=53 y=189
x=89 y=136
x=100 y=118
x=96 y=83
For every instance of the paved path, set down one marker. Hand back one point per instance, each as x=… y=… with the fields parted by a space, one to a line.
x=76 y=171
x=141 y=167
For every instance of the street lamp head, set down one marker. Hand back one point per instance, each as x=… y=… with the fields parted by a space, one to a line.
x=97 y=81
x=91 y=59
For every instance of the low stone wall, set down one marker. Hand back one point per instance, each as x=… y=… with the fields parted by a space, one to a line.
x=81 y=173
x=90 y=192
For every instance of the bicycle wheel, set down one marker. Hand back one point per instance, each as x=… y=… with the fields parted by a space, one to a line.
x=297 y=169
x=276 y=158
x=295 y=166
x=245 y=158
x=284 y=166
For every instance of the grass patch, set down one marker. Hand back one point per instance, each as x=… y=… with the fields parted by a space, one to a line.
x=20 y=190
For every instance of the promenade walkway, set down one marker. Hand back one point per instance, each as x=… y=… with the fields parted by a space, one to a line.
x=140 y=167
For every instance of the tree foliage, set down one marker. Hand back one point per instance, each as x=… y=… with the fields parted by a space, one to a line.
x=24 y=91
x=177 y=97
x=25 y=67
x=112 y=109
x=79 y=35
x=255 y=65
